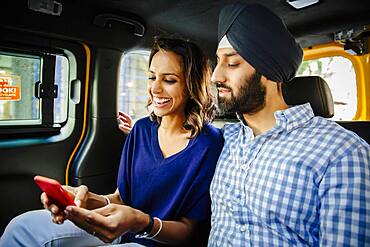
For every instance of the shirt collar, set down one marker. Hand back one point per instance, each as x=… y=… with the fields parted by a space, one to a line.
x=290 y=118
x=294 y=116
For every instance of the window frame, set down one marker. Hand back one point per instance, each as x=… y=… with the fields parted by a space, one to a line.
x=142 y=52
x=43 y=47
x=336 y=49
x=48 y=58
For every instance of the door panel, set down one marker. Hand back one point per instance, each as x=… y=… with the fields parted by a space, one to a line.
x=42 y=149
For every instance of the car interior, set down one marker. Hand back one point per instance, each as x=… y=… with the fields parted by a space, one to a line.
x=86 y=43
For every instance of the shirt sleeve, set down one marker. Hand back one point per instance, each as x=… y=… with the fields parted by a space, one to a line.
x=345 y=200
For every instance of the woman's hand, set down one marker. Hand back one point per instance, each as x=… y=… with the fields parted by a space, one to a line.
x=78 y=194
x=109 y=222
x=124 y=122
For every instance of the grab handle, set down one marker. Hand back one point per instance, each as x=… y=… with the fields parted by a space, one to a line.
x=102 y=20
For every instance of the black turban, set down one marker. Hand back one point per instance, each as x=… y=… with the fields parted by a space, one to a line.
x=262 y=39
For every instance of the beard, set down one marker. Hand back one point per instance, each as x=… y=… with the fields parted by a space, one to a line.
x=249 y=98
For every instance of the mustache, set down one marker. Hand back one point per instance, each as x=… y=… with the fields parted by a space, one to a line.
x=222 y=85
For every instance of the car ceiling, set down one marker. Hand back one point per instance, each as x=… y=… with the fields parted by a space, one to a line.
x=193 y=19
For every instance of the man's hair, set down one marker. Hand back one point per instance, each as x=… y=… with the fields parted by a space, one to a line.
x=200 y=107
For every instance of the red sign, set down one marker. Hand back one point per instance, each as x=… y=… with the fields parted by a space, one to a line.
x=8 y=92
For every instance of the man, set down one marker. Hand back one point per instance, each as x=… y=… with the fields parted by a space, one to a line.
x=284 y=177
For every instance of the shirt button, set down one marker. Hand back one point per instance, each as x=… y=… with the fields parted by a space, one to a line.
x=242 y=228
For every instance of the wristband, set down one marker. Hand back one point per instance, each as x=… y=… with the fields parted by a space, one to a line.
x=146 y=231
x=159 y=230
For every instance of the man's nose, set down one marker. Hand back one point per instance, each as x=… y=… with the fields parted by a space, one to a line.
x=218 y=75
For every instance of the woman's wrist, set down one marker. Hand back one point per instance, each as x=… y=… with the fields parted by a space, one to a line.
x=155 y=232
x=146 y=230
x=106 y=198
x=152 y=229
x=96 y=201
x=142 y=222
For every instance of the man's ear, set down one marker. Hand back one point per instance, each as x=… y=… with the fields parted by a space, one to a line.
x=271 y=84
x=265 y=81
x=274 y=91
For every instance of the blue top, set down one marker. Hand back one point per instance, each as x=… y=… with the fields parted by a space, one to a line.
x=172 y=187
x=305 y=182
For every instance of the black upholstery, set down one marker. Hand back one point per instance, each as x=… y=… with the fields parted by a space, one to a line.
x=315 y=90
x=312 y=89
x=361 y=128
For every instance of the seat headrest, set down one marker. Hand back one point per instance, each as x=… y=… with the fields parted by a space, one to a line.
x=312 y=89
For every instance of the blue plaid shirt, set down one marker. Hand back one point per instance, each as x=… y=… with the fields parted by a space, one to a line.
x=304 y=182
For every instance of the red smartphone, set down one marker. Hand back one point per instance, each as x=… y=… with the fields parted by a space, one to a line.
x=54 y=191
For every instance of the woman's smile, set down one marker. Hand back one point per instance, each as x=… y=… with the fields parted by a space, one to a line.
x=161 y=102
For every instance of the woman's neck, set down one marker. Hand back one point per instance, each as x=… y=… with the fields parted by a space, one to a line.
x=172 y=125
x=172 y=136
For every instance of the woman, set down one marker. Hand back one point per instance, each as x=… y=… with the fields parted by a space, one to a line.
x=166 y=167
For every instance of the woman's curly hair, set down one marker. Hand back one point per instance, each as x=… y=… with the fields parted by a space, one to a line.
x=200 y=107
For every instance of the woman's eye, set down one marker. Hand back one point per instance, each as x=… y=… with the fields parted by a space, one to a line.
x=151 y=78
x=170 y=81
x=232 y=65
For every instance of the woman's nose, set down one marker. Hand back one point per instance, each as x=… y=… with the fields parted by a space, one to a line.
x=156 y=86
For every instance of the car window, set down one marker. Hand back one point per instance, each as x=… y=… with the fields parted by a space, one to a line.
x=340 y=75
x=62 y=80
x=132 y=84
x=19 y=76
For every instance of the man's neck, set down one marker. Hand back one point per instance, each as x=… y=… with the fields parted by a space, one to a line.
x=264 y=120
x=259 y=122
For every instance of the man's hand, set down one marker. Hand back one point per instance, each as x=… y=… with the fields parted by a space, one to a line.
x=109 y=222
